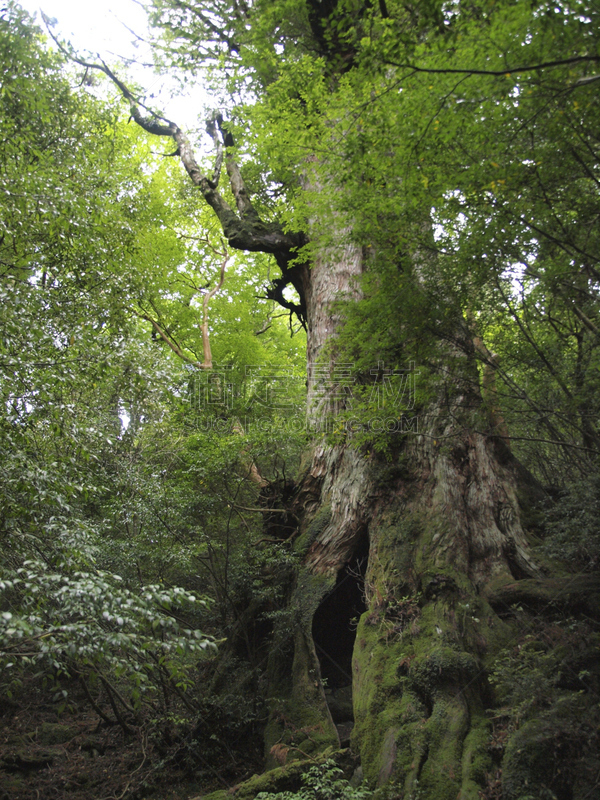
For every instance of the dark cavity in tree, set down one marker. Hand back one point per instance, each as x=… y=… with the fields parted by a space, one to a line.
x=334 y=623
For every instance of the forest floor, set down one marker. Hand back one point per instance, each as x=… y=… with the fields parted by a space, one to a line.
x=74 y=755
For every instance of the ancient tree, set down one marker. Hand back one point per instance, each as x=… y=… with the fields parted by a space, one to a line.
x=414 y=554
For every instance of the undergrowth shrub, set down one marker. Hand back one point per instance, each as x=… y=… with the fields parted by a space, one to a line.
x=322 y=782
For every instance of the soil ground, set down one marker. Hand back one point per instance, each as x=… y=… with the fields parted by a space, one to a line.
x=74 y=755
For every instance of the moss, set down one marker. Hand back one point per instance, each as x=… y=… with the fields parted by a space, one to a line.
x=221 y=794
x=13 y=785
x=446 y=728
x=398 y=527
x=306 y=461
x=418 y=734
x=27 y=759
x=417 y=662
x=309 y=592
x=525 y=765
x=538 y=594
x=377 y=697
x=50 y=733
x=282 y=779
x=443 y=665
x=299 y=723
x=476 y=758
x=388 y=475
x=396 y=537
x=395 y=730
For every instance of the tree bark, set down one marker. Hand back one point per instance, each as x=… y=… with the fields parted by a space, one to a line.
x=442 y=528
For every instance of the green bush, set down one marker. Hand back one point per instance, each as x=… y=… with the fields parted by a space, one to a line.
x=86 y=624
x=573 y=524
x=321 y=782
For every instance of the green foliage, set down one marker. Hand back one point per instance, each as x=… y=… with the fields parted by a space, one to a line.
x=542 y=668
x=321 y=782
x=525 y=677
x=122 y=500
x=74 y=221
x=458 y=147
x=86 y=623
x=572 y=524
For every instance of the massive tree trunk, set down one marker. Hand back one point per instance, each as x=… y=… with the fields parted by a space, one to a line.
x=404 y=554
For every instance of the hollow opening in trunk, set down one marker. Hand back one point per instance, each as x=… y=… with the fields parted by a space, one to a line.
x=334 y=623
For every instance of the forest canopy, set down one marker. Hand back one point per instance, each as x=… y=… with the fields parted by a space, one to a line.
x=343 y=334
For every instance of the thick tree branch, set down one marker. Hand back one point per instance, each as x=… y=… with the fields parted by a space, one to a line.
x=211 y=129
x=238 y=187
x=585 y=320
x=488 y=388
x=275 y=292
x=245 y=232
x=576 y=593
x=496 y=72
x=383 y=9
x=265 y=510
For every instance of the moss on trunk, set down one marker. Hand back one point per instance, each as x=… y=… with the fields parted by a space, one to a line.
x=300 y=723
x=447 y=555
